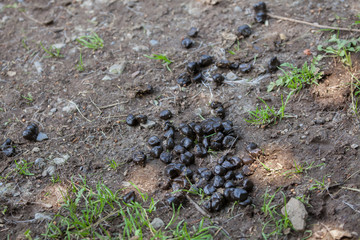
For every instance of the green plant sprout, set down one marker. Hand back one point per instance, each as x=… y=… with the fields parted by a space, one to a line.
x=341 y=48
x=319 y=185
x=23 y=166
x=80 y=66
x=29 y=98
x=277 y=222
x=113 y=164
x=55 y=179
x=162 y=58
x=52 y=51
x=297 y=78
x=302 y=168
x=266 y=115
x=92 y=41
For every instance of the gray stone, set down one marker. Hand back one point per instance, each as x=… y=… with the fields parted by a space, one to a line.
x=35 y=150
x=117 y=68
x=106 y=78
x=140 y=48
x=354 y=146
x=50 y=170
x=231 y=76
x=149 y=124
x=41 y=137
x=59 y=45
x=39 y=163
x=38 y=67
x=7 y=190
x=237 y=9
x=42 y=216
x=296 y=213
x=70 y=107
x=157 y=223
x=154 y=42
x=59 y=161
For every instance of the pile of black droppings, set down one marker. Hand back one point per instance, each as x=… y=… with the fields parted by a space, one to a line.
x=32 y=133
x=180 y=148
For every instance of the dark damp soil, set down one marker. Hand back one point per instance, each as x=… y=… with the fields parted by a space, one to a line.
x=84 y=112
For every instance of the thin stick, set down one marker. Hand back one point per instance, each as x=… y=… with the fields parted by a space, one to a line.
x=112 y=105
x=95 y=105
x=312 y=24
x=80 y=111
x=197 y=207
x=352 y=189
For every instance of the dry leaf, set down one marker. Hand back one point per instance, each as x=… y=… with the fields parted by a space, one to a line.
x=339 y=234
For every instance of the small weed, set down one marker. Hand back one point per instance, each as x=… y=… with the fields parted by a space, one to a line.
x=92 y=41
x=14 y=5
x=23 y=166
x=162 y=58
x=52 y=51
x=341 y=48
x=80 y=66
x=55 y=180
x=297 y=78
x=236 y=48
x=113 y=164
x=4 y=210
x=302 y=168
x=23 y=42
x=277 y=222
x=28 y=98
x=27 y=234
x=319 y=185
x=267 y=115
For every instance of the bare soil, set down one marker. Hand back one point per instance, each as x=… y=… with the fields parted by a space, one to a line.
x=83 y=113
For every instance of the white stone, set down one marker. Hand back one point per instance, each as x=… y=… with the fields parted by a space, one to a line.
x=296 y=213
x=41 y=217
x=59 y=161
x=140 y=48
x=106 y=78
x=157 y=223
x=41 y=137
x=117 y=68
x=59 y=45
x=38 y=67
x=154 y=42
x=35 y=150
x=70 y=107
x=231 y=76
x=50 y=170
x=354 y=146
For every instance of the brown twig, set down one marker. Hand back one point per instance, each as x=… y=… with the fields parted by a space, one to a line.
x=312 y=24
x=197 y=206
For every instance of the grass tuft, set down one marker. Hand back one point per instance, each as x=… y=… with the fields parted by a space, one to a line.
x=92 y=41
x=22 y=167
x=162 y=58
x=52 y=51
x=89 y=213
x=297 y=78
x=266 y=115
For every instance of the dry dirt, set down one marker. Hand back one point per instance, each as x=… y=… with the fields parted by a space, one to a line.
x=83 y=113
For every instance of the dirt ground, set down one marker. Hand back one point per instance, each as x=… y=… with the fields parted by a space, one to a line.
x=83 y=112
